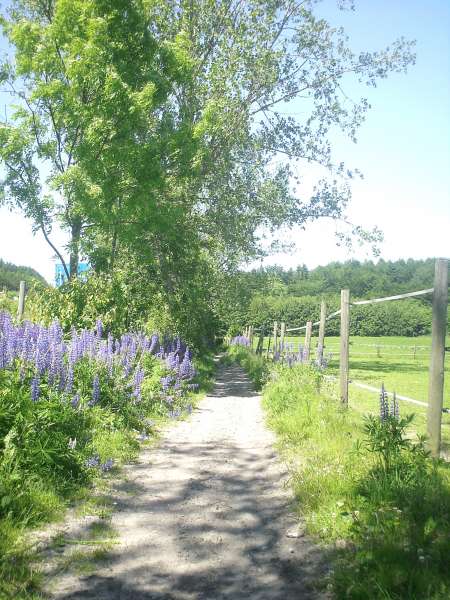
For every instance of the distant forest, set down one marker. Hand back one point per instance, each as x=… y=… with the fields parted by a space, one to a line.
x=11 y=276
x=272 y=293
x=364 y=279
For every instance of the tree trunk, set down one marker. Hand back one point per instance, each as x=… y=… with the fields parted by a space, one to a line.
x=75 y=247
x=113 y=250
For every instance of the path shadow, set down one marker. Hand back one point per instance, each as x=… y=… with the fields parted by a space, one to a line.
x=231 y=545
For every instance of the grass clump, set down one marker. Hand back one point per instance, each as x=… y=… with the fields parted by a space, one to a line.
x=368 y=490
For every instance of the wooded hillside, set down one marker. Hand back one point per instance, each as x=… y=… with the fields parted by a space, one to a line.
x=272 y=293
x=11 y=275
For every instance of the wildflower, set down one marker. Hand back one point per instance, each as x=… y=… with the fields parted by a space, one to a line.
x=93 y=462
x=72 y=443
x=142 y=437
x=187 y=370
x=137 y=382
x=166 y=381
x=75 y=402
x=95 y=391
x=173 y=361
x=107 y=465
x=35 y=391
x=240 y=340
x=384 y=404
x=69 y=380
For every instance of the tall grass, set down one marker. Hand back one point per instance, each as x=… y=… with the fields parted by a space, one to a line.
x=389 y=525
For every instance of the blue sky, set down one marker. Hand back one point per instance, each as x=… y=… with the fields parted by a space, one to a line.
x=403 y=147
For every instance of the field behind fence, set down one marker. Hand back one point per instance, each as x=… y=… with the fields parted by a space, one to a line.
x=412 y=367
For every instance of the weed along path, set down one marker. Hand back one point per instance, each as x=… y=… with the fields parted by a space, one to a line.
x=208 y=516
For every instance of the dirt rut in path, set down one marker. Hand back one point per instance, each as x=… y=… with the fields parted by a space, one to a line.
x=209 y=514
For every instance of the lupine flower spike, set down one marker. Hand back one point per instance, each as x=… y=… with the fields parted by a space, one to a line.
x=384 y=404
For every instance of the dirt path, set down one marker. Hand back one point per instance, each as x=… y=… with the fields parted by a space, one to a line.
x=209 y=516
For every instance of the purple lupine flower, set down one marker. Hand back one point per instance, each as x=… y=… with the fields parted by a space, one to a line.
x=35 y=391
x=69 y=380
x=166 y=382
x=107 y=465
x=240 y=340
x=137 y=382
x=187 y=370
x=93 y=462
x=2 y=352
x=95 y=391
x=56 y=364
x=173 y=361
x=42 y=351
x=384 y=404
x=75 y=402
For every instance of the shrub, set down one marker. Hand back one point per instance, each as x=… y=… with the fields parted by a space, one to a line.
x=403 y=318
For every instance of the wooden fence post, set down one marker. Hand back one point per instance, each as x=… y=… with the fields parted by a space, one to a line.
x=275 y=335
x=321 y=340
x=282 y=334
x=21 y=306
x=260 y=345
x=436 y=373
x=344 y=349
x=307 y=349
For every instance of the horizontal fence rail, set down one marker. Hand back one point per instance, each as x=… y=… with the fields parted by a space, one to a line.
x=398 y=297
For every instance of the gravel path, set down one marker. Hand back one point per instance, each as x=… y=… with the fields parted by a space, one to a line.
x=209 y=516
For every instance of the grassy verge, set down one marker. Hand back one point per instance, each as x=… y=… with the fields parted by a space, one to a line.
x=387 y=519
x=364 y=488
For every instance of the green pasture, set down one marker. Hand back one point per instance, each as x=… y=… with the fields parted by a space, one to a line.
x=401 y=363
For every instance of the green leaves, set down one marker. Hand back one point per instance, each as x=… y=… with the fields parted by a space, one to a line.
x=159 y=129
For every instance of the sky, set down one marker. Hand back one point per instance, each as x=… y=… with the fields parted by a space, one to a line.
x=403 y=148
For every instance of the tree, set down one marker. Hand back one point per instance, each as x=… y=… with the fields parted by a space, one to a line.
x=250 y=60
x=89 y=79
x=164 y=125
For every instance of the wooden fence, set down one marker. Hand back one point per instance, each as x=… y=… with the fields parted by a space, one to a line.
x=439 y=293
